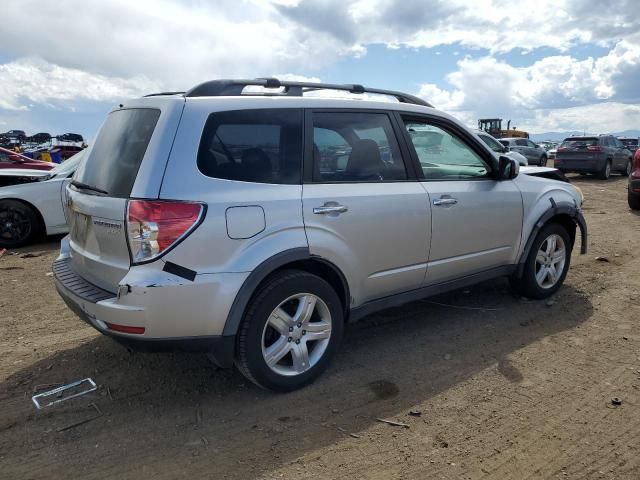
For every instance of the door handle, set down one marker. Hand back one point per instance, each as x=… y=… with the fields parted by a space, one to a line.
x=444 y=201
x=330 y=209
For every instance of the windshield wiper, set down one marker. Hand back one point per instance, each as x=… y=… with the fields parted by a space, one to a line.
x=85 y=186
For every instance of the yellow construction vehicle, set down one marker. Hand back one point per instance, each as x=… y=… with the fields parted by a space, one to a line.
x=493 y=126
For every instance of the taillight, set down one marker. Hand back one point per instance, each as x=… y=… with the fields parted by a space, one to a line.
x=154 y=226
x=594 y=148
x=562 y=149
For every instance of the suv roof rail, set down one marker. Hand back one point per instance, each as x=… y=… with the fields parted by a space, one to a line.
x=218 y=88
x=163 y=93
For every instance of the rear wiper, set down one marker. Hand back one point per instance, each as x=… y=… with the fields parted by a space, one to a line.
x=84 y=186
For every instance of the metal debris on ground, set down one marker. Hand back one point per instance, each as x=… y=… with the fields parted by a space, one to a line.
x=77 y=424
x=616 y=401
x=30 y=255
x=2 y=251
x=392 y=422
x=602 y=259
x=59 y=392
x=415 y=413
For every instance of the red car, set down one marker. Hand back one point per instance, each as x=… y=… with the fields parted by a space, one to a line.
x=9 y=159
x=634 y=183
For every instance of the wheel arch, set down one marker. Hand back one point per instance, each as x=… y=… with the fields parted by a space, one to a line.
x=296 y=258
x=568 y=216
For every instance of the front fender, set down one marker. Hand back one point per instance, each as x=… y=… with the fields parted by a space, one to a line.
x=555 y=209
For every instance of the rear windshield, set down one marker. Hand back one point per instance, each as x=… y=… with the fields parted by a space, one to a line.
x=576 y=142
x=629 y=142
x=117 y=152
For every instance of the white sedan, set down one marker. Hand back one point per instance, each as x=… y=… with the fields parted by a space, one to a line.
x=31 y=202
x=500 y=149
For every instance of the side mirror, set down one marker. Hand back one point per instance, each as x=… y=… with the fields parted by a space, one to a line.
x=508 y=168
x=505 y=149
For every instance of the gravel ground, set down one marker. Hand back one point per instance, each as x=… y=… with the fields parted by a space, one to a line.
x=488 y=385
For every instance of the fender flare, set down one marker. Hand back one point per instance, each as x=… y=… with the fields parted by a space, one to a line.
x=572 y=211
x=261 y=272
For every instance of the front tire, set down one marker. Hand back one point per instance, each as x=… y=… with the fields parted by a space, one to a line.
x=546 y=265
x=19 y=224
x=290 y=331
x=634 y=200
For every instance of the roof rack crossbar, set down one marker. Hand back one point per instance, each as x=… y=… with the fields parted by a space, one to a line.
x=219 y=88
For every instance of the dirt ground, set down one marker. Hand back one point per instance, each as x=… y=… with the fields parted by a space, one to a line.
x=488 y=385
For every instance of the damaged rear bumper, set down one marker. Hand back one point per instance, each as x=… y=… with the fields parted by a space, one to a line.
x=167 y=314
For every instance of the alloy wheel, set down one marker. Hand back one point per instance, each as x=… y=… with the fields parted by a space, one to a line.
x=15 y=226
x=550 y=261
x=296 y=334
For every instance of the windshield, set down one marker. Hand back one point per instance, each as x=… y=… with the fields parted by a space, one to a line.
x=492 y=144
x=629 y=142
x=68 y=166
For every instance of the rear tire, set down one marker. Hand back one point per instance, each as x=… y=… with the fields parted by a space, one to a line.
x=19 y=224
x=634 y=200
x=291 y=329
x=546 y=265
x=605 y=173
x=628 y=169
x=543 y=161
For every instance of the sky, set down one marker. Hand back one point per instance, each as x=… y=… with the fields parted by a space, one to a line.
x=562 y=65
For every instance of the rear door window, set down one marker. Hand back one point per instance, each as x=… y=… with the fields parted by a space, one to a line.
x=117 y=153
x=355 y=147
x=521 y=143
x=262 y=146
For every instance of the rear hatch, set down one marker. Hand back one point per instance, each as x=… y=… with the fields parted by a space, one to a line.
x=575 y=150
x=582 y=148
x=126 y=160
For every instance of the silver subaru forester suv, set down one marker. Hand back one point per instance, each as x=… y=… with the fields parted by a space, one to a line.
x=250 y=219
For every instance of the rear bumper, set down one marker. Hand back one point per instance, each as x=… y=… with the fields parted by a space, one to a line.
x=221 y=348
x=579 y=165
x=175 y=314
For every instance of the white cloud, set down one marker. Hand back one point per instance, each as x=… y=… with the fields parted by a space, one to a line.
x=34 y=80
x=605 y=117
x=94 y=50
x=486 y=87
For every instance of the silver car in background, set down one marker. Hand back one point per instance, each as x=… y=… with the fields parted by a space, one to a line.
x=499 y=149
x=252 y=224
x=535 y=154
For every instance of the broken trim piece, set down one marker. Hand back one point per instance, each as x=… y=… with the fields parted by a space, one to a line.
x=179 y=271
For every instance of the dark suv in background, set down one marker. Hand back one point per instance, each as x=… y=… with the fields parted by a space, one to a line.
x=600 y=155
x=631 y=143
